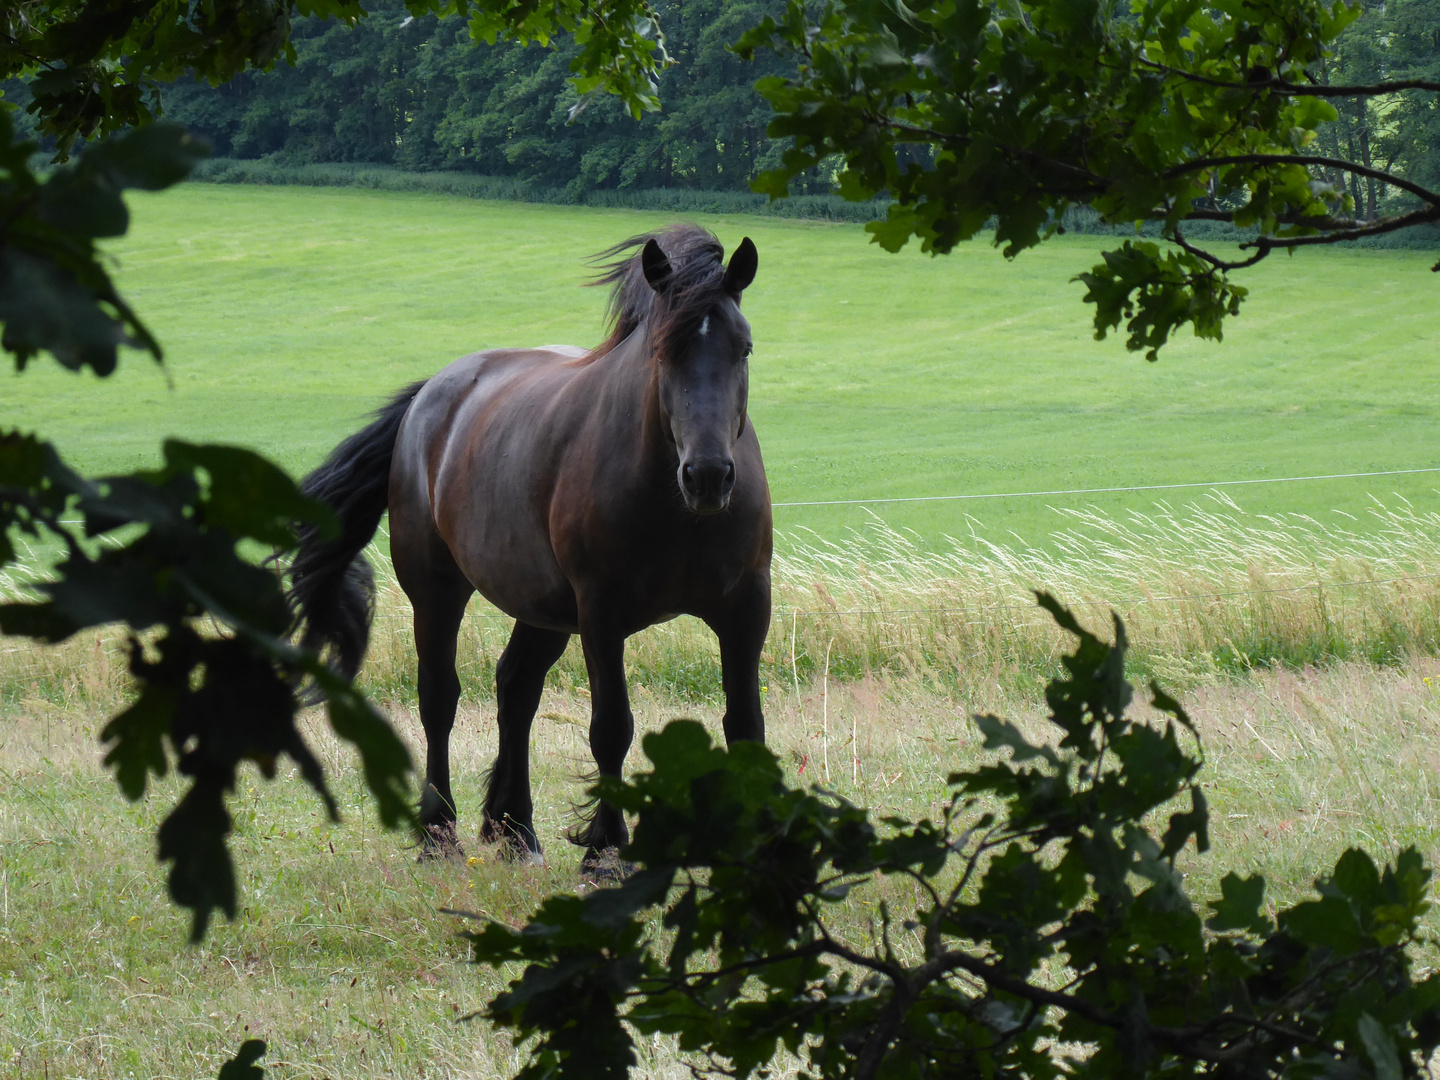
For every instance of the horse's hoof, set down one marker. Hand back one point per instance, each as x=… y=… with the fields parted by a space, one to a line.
x=605 y=867
x=440 y=842
x=518 y=852
x=517 y=842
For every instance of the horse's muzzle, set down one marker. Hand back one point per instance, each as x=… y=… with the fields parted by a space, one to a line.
x=707 y=485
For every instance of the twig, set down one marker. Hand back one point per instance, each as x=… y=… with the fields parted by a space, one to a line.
x=1379 y=228
x=1215 y=261
x=825 y=712
x=1199 y=164
x=1297 y=89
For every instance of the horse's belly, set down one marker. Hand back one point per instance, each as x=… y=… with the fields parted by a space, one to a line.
x=524 y=585
x=498 y=539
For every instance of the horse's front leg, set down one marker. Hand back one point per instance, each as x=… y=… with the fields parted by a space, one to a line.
x=741 y=627
x=519 y=682
x=612 y=727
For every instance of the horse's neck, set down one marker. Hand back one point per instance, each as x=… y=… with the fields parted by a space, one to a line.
x=631 y=389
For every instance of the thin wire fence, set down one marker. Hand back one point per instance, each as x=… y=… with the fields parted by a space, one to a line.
x=1207 y=484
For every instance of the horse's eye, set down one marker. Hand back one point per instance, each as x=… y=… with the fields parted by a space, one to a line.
x=748 y=350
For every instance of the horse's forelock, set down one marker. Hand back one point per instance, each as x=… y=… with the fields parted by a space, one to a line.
x=696 y=284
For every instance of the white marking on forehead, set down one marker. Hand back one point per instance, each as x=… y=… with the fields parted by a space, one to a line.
x=705 y=326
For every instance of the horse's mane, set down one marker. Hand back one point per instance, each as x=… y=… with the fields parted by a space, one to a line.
x=697 y=284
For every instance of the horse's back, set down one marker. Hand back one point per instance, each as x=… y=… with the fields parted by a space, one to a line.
x=470 y=477
x=480 y=380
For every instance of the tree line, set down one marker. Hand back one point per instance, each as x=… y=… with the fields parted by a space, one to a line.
x=417 y=93
x=1394 y=40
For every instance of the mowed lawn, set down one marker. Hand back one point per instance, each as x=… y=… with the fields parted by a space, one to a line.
x=288 y=313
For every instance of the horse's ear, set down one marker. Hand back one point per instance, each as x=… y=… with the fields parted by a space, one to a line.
x=655 y=264
x=741 y=271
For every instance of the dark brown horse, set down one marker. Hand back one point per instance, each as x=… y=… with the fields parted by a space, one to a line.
x=594 y=492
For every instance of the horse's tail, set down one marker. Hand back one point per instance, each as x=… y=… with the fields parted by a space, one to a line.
x=332 y=589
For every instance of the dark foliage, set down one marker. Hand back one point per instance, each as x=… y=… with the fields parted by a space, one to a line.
x=1398 y=40
x=1053 y=935
x=95 y=68
x=158 y=552
x=1169 y=111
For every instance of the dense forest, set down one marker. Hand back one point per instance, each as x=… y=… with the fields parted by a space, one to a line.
x=1392 y=40
x=416 y=93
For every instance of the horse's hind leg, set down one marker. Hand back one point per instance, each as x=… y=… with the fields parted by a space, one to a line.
x=519 y=679
x=439 y=599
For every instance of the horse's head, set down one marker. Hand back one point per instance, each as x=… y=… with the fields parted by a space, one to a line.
x=703 y=349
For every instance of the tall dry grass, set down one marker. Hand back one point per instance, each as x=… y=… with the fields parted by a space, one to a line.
x=1205 y=589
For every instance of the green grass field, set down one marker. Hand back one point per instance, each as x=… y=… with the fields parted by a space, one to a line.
x=287 y=313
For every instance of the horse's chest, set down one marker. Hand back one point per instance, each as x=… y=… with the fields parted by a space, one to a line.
x=667 y=575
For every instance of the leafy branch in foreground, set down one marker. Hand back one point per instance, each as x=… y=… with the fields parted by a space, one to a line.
x=159 y=550
x=1166 y=111
x=55 y=293
x=1053 y=935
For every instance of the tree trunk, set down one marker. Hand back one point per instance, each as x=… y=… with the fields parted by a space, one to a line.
x=1355 y=192
x=1366 y=160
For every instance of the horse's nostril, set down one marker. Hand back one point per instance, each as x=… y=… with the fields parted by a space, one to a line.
x=730 y=473
x=687 y=475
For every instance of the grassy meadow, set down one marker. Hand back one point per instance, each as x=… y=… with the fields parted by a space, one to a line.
x=1299 y=621
x=341 y=961
x=288 y=313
